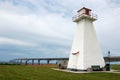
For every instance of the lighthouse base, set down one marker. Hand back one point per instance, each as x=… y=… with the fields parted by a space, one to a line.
x=73 y=69
x=92 y=68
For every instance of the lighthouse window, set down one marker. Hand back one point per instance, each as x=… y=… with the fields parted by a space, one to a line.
x=87 y=11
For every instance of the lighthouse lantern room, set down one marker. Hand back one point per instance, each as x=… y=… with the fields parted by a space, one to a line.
x=84 y=13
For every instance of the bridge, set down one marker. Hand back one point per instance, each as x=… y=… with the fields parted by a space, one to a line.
x=32 y=60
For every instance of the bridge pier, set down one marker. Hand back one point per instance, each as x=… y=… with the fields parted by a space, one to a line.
x=32 y=61
x=21 y=61
x=17 y=61
x=38 y=61
x=26 y=62
x=48 y=61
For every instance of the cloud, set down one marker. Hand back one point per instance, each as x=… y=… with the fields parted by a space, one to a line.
x=14 y=42
x=46 y=26
x=51 y=24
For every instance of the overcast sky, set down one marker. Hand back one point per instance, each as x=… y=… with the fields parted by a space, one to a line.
x=44 y=28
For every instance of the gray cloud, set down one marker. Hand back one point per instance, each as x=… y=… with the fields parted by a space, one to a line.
x=47 y=24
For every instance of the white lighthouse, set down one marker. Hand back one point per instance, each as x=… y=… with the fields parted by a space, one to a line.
x=85 y=50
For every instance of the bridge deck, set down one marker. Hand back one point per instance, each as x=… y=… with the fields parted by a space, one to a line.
x=20 y=60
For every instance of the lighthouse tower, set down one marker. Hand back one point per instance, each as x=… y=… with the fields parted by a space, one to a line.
x=85 y=50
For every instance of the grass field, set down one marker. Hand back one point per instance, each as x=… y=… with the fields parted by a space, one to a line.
x=22 y=72
x=117 y=67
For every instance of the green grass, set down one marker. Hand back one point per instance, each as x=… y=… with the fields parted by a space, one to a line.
x=22 y=72
x=116 y=66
